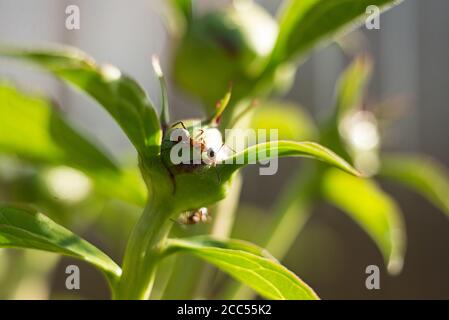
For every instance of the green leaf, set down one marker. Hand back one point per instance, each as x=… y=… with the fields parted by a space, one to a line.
x=421 y=174
x=248 y=264
x=370 y=207
x=33 y=129
x=291 y=121
x=127 y=185
x=351 y=85
x=272 y=150
x=305 y=23
x=121 y=96
x=184 y=7
x=29 y=229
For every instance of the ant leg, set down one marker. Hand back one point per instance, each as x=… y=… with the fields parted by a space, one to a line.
x=225 y=145
x=231 y=149
x=200 y=134
x=179 y=122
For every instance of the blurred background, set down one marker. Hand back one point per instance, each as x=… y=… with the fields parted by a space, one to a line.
x=410 y=52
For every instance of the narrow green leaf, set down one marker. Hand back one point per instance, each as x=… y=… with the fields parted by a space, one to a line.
x=165 y=111
x=121 y=96
x=305 y=23
x=29 y=229
x=370 y=207
x=248 y=264
x=351 y=85
x=421 y=174
x=280 y=149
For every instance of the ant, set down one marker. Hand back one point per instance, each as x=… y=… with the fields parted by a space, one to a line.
x=194 y=142
x=195 y=217
x=208 y=154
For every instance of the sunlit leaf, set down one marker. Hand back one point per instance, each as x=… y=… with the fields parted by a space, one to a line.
x=121 y=96
x=421 y=174
x=184 y=7
x=370 y=207
x=272 y=150
x=340 y=130
x=291 y=121
x=306 y=23
x=29 y=229
x=32 y=128
x=127 y=185
x=248 y=264
x=351 y=85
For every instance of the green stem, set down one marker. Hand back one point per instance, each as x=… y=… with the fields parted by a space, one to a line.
x=221 y=229
x=291 y=213
x=143 y=252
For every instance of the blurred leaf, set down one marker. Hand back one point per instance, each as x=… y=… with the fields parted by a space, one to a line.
x=375 y=211
x=421 y=174
x=184 y=7
x=32 y=128
x=337 y=131
x=249 y=264
x=305 y=23
x=121 y=96
x=272 y=150
x=351 y=85
x=291 y=121
x=184 y=278
x=127 y=186
x=28 y=229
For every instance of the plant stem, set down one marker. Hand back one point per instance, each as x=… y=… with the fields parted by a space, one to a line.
x=291 y=213
x=142 y=252
x=221 y=229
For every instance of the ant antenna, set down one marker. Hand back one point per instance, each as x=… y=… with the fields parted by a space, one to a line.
x=177 y=123
x=221 y=106
x=165 y=113
x=225 y=145
x=200 y=133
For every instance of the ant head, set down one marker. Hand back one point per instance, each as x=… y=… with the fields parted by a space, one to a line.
x=209 y=157
x=211 y=153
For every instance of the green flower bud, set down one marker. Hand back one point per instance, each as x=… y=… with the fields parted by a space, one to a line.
x=222 y=47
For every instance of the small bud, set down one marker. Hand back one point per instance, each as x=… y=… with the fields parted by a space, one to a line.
x=157 y=66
